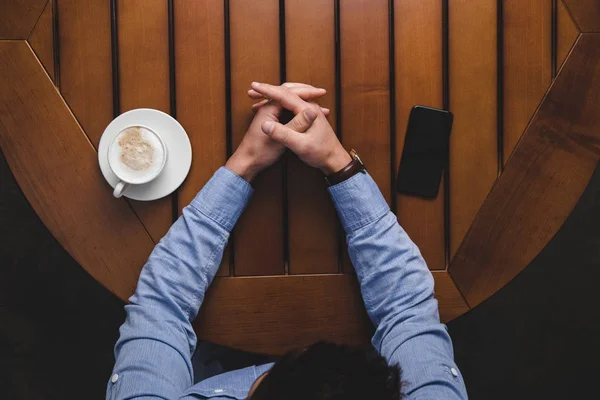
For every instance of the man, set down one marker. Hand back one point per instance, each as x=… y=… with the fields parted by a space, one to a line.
x=154 y=351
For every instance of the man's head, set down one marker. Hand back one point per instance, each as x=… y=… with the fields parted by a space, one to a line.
x=326 y=371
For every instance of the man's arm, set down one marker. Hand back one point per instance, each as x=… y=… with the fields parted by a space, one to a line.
x=156 y=343
x=397 y=288
x=396 y=284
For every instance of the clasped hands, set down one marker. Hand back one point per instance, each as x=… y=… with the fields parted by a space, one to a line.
x=308 y=133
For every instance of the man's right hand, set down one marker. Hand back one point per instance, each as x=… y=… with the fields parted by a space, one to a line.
x=318 y=146
x=257 y=151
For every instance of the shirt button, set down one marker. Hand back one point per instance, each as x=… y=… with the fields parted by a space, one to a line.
x=114 y=378
x=454 y=372
x=218 y=391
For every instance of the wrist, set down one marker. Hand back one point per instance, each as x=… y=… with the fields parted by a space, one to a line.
x=243 y=166
x=336 y=161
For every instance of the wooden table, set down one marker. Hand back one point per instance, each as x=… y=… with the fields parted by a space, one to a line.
x=68 y=67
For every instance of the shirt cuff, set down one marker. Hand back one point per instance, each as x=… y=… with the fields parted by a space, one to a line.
x=358 y=201
x=223 y=198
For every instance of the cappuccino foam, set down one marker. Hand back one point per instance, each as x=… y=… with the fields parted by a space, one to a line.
x=136 y=154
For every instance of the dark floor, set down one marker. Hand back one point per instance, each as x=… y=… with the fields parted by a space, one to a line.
x=536 y=339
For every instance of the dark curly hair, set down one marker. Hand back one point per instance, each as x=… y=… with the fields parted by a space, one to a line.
x=327 y=371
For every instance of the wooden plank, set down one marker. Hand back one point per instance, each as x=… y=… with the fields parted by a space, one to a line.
x=450 y=301
x=58 y=173
x=253 y=313
x=259 y=234
x=42 y=39
x=365 y=85
x=567 y=33
x=200 y=89
x=144 y=83
x=418 y=55
x=473 y=95
x=541 y=183
x=85 y=60
x=586 y=14
x=527 y=64
x=18 y=17
x=312 y=222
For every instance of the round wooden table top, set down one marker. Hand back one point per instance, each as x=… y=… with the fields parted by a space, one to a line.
x=525 y=140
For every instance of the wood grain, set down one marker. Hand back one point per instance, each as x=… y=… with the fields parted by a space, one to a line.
x=450 y=301
x=253 y=313
x=586 y=14
x=85 y=63
x=473 y=95
x=58 y=173
x=18 y=17
x=312 y=223
x=418 y=55
x=41 y=39
x=365 y=85
x=275 y=314
x=144 y=83
x=259 y=233
x=542 y=182
x=567 y=33
x=527 y=64
x=200 y=89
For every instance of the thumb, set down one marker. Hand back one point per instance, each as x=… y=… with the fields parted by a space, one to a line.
x=284 y=135
x=303 y=120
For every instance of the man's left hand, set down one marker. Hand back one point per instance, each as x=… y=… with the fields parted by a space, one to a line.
x=258 y=151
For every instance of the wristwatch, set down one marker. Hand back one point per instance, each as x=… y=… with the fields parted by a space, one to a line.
x=355 y=166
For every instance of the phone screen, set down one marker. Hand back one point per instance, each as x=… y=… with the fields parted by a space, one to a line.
x=425 y=152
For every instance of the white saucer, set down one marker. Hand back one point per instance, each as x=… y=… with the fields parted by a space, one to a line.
x=179 y=152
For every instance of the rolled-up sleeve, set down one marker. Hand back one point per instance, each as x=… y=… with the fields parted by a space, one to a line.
x=156 y=342
x=397 y=288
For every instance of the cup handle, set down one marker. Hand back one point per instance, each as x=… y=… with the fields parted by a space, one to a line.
x=119 y=189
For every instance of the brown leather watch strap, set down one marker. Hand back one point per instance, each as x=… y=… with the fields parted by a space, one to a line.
x=354 y=167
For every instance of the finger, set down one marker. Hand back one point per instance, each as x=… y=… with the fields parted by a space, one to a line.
x=291 y=85
x=304 y=120
x=253 y=94
x=286 y=136
x=261 y=103
x=305 y=93
x=324 y=110
x=301 y=88
x=282 y=95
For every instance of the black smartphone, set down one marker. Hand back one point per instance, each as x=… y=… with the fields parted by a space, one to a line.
x=425 y=153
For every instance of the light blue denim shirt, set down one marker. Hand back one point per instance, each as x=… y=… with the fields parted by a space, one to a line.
x=156 y=343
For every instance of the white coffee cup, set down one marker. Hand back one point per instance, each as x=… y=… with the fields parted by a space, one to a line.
x=136 y=155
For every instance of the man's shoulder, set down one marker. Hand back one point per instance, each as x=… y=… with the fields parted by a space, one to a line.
x=230 y=385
